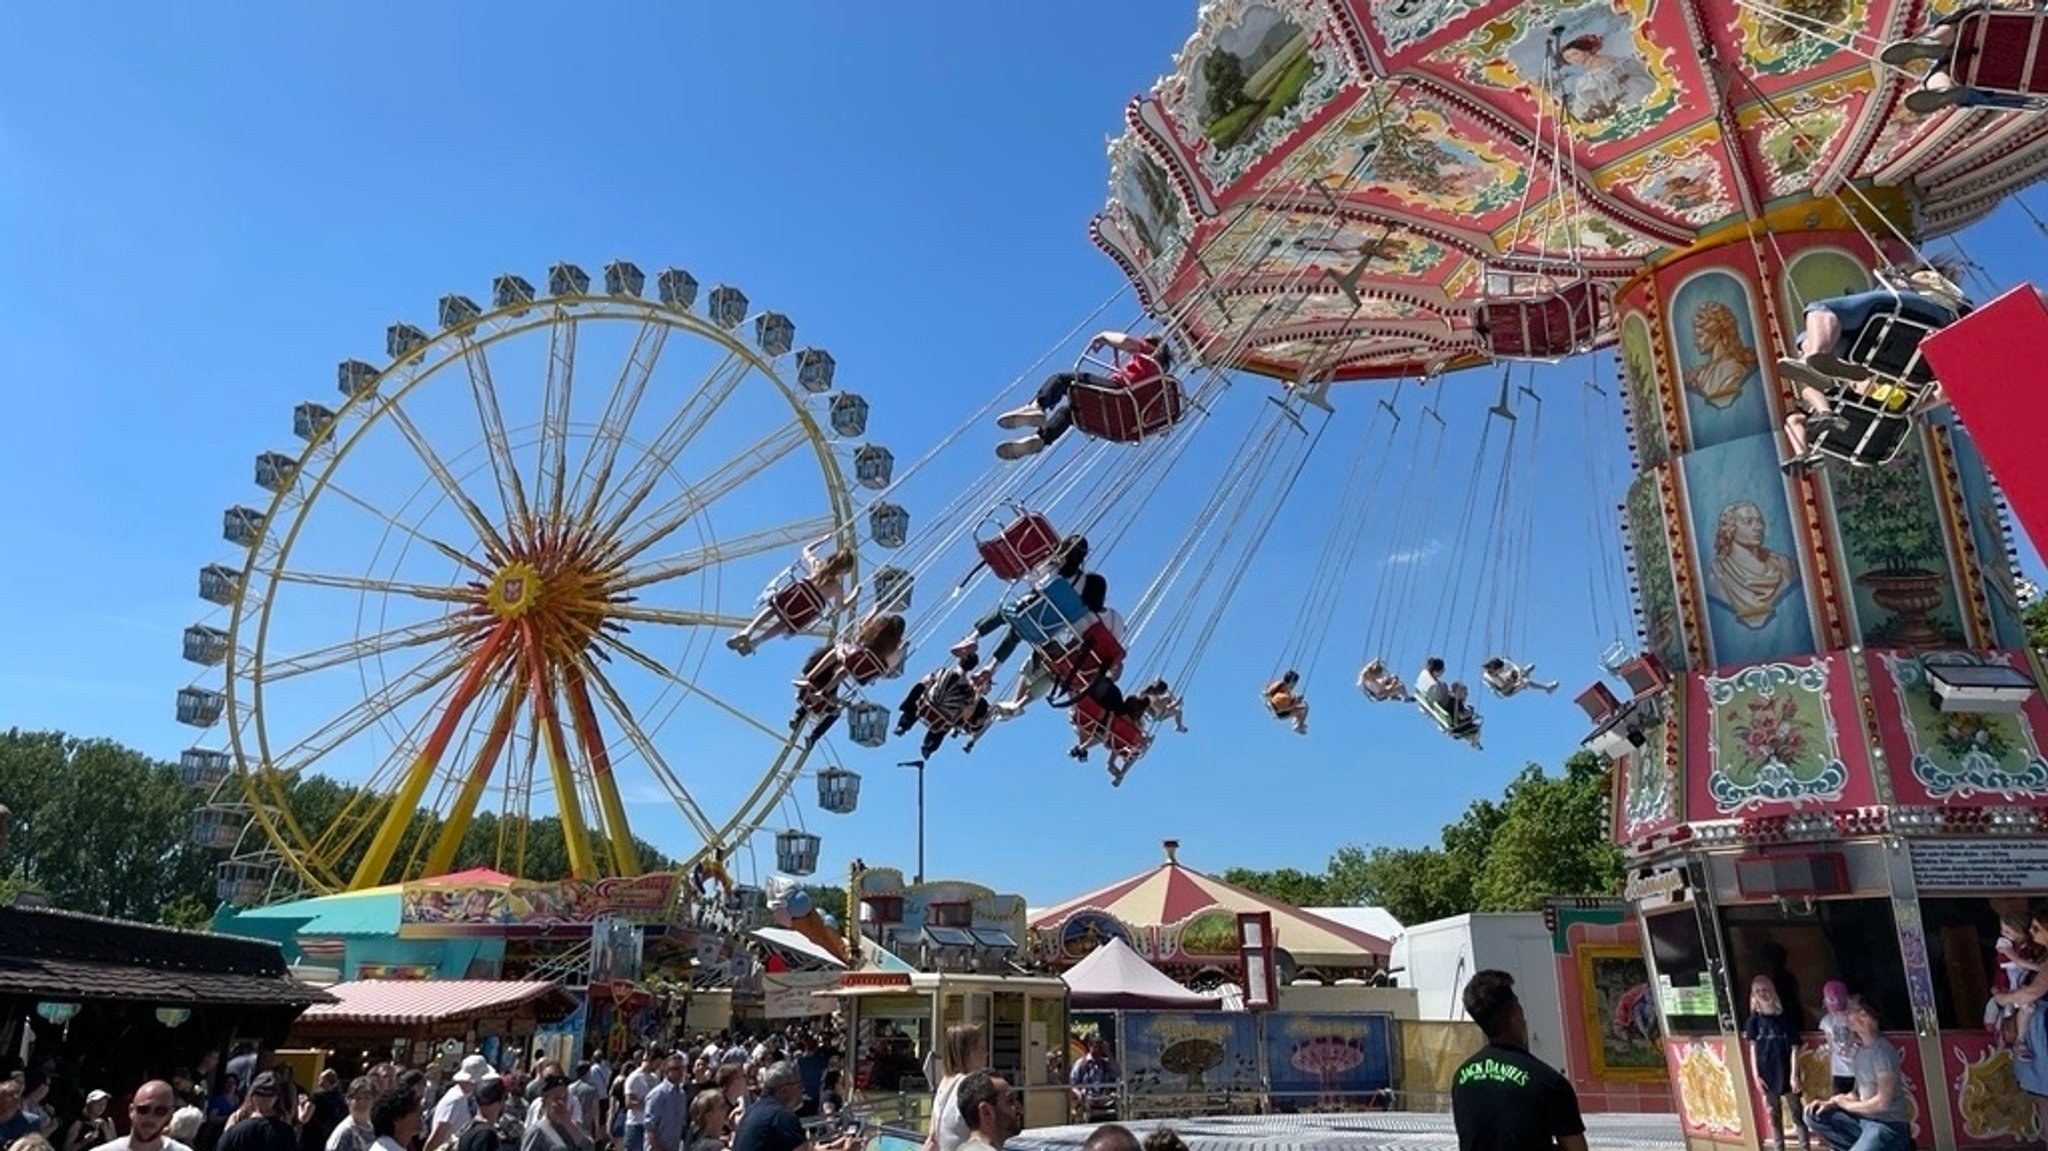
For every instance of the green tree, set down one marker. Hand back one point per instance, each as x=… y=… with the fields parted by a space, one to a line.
x=1551 y=840
x=2036 y=618
x=1288 y=885
x=99 y=828
x=828 y=900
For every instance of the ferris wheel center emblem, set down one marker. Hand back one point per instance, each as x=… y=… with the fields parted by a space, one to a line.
x=514 y=590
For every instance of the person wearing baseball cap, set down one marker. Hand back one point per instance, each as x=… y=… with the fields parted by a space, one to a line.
x=482 y=1132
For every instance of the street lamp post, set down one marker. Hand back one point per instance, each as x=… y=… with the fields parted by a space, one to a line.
x=919 y=765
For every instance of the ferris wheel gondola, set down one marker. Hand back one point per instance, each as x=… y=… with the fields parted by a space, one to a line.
x=532 y=606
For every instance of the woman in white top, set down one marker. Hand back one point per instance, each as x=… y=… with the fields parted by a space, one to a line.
x=965 y=1050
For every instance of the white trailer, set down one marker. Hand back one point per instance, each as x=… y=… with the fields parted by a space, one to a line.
x=1437 y=958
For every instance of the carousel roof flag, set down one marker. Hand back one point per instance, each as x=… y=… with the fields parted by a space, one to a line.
x=1172 y=894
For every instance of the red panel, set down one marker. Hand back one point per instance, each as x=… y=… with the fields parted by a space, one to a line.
x=1023 y=544
x=1988 y=1105
x=1126 y=415
x=799 y=605
x=1844 y=712
x=1982 y=361
x=1889 y=715
x=2002 y=52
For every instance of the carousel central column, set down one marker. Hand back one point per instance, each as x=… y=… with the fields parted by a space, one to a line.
x=1804 y=808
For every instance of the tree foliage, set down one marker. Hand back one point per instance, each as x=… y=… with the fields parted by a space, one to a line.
x=2036 y=618
x=104 y=829
x=1546 y=835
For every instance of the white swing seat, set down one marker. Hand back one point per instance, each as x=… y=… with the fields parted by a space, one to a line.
x=1442 y=718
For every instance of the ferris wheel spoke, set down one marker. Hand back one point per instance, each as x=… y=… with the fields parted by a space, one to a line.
x=425 y=676
x=400 y=526
x=618 y=832
x=754 y=543
x=675 y=617
x=647 y=472
x=439 y=593
x=484 y=392
x=515 y=803
x=721 y=482
x=555 y=744
x=274 y=669
x=620 y=646
x=619 y=411
x=552 y=475
x=474 y=781
x=635 y=733
x=487 y=658
x=478 y=521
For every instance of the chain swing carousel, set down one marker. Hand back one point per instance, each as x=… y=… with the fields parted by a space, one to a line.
x=1827 y=742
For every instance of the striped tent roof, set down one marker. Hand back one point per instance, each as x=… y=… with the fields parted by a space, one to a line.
x=400 y=1002
x=1172 y=894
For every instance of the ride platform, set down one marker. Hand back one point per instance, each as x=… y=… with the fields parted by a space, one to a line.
x=1352 y=1131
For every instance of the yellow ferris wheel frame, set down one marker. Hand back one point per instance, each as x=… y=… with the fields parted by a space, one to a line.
x=547 y=585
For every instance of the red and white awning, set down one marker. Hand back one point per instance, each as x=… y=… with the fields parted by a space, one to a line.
x=412 y=1001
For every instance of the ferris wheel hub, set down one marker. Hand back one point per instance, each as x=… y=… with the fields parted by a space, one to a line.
x=514 y=590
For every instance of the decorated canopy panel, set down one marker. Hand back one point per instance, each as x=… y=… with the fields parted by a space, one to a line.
x=1333 y=188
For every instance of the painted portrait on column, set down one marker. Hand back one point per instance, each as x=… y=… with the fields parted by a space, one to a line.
x=1719 y=361
x=1748 y=552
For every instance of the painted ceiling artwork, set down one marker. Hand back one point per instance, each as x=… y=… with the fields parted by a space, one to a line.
x=1332 y=188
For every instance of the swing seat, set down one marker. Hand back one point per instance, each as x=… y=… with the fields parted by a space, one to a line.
x=862 y=666
x=1020 y=547
x=1546 y=327
x=1869 y=434
x=1598 y=703
x=1091 y=655
x=1056 y=608
x=2002 y=51
x=1981 y=360
x=932 y=716
x=1443 y=720
x=798 y=605
x=1889 y=345
x=1126 y=415
x=1644 y=675
x=1122 y=736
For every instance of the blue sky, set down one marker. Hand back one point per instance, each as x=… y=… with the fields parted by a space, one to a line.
x=202 y=210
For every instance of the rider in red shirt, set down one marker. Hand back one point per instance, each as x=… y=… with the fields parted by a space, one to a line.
x=1139 y=358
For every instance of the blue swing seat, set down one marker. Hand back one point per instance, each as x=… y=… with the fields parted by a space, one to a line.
x=1056 y=608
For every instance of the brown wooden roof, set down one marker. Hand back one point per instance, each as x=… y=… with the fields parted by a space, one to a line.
x=64 y=955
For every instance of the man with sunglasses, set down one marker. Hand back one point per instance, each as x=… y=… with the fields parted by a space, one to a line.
x=149 y=1116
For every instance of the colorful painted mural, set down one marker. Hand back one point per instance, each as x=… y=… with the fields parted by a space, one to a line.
x=1650 y=792
x=1152 y=209
x=1624 y=1038
x=1962 y=754
x=1084 y=931
x=1713 y=338
x=1773 y=738
x=1422 y=161
x=1776 y=42
x=1819 y=274
x=1639 y=373
x=1594 y=61
x=1329 y=1062
x=1251 y=75
x=1897 y=556
x=1748 y=553
x=500 y=906
x=1176 y=1058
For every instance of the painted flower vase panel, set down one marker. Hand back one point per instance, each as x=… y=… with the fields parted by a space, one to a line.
x=1958 y=755
x=1988 y=1104
x=1773 y=738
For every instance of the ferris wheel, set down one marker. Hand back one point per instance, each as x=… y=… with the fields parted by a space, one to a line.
x=480 y=618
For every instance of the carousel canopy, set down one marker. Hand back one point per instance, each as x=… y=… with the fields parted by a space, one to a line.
x=1333 y=188
x=1114 y=977
x=1163 y=908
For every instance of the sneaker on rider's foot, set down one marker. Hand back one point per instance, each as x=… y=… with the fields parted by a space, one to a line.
x=1019 y=448
x=1902 y=52
x=1927 y=101
x=1829 y=364
x=965 y=647
x=1028 y=416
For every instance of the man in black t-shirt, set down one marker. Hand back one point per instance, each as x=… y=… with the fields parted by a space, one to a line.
x=1503 y=1098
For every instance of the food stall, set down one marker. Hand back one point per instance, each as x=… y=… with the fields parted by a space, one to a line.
x=895 y=1021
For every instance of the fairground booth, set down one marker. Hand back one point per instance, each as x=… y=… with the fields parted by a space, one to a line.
x=110 y=1003
x=420 y=960
x=1829 y=764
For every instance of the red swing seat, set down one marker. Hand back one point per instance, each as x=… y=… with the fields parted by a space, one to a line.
x=2003 y=52
x=1644 y=675
x=1545 y=327
x=1127 y=414
x=1076 y=663
x=1122 y=736
x=862 y=666
x=798 y=605
x=1023 y=544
